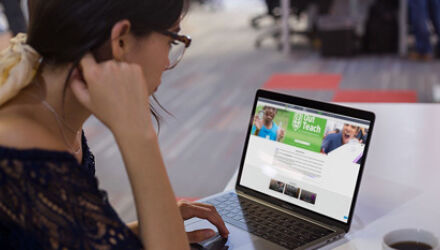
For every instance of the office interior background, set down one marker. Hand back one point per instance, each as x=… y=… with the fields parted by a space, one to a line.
x=339 y=54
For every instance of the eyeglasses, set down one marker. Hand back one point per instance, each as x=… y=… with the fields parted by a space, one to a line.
x=178 y=47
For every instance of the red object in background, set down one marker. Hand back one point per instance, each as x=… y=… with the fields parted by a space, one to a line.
x=388 y=96
x=331 y=82
x=304 y=81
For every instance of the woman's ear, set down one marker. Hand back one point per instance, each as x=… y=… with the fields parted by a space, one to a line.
x=120 y=39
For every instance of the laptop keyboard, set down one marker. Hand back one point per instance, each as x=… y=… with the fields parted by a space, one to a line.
x=268 y=223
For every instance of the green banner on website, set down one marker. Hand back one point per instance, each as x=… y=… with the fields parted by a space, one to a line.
x=293 y=128
x=305 y=131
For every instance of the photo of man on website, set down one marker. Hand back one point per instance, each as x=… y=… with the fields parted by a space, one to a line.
x=339 y=135
x=337 y=138
x=265 y=126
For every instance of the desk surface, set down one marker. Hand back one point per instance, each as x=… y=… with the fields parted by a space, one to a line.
x=401 y=181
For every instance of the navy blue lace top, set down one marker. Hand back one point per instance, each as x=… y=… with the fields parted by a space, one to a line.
x=49 y=201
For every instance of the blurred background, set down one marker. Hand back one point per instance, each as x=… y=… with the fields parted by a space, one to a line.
x=345 y=51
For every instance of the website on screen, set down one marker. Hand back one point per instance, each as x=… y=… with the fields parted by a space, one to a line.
x=305 y=157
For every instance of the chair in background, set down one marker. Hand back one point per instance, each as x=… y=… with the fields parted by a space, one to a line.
x=297 y=7
x=14 y=15
x=272 y=12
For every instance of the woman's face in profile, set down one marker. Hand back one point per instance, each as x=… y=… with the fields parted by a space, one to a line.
x=151 y=53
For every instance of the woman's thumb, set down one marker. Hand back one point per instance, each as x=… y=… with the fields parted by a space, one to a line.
x=200 y=235
x=81 y=92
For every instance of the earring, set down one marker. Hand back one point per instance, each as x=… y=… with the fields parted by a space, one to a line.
x=121 y=43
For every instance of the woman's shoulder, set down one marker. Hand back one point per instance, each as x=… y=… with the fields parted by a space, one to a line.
x=23 y=133
x=42 y=194
x=26 y=143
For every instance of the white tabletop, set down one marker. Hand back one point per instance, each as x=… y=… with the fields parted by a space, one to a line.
x=401 y=181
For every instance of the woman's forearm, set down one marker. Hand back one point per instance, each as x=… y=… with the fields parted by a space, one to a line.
x=159 y=217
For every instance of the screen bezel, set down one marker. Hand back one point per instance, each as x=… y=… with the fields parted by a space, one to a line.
x=322 y=106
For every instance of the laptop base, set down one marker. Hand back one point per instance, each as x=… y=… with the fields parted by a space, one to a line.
x=243 y=239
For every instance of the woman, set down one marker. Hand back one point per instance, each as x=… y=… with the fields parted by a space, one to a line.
x=50 y=84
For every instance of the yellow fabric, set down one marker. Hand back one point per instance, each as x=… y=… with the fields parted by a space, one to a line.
x=18 y=65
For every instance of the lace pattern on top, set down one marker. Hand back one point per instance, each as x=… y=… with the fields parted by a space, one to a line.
x=49 y=201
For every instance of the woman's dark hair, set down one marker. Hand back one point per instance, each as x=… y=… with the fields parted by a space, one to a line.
x=63 y=31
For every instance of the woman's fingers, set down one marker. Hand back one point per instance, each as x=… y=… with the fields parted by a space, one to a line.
x=88 y=65
x=222 y=228
x=79 y=79
x=110 y=89
x=188 y=210
x=200 y=235
x=79 y=89
x=205 y=211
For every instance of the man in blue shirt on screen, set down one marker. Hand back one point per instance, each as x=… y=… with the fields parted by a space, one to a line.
x=335 y=140
x=265 y=126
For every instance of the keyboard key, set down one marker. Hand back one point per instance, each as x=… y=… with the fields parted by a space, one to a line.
x=268 y=223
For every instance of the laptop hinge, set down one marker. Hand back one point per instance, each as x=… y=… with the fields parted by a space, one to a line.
x=287 y=211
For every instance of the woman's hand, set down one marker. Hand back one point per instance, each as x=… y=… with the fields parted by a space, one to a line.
x=208 y=212
x=190 y=210
x=115 y=92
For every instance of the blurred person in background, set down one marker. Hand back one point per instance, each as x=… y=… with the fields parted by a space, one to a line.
x=421 y=12
x=14 y=15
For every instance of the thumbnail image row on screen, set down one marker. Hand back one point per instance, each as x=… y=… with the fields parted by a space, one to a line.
x=293 y=191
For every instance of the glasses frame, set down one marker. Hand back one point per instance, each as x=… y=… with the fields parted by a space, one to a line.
x=181 y=38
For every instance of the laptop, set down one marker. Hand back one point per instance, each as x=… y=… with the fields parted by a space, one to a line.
x=298 y=179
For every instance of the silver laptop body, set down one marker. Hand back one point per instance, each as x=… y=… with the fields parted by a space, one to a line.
x=307 y=175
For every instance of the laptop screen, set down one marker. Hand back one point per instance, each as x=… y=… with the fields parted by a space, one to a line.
x=307 y=157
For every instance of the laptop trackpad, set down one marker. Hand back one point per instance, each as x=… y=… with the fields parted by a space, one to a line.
x=238 y=239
